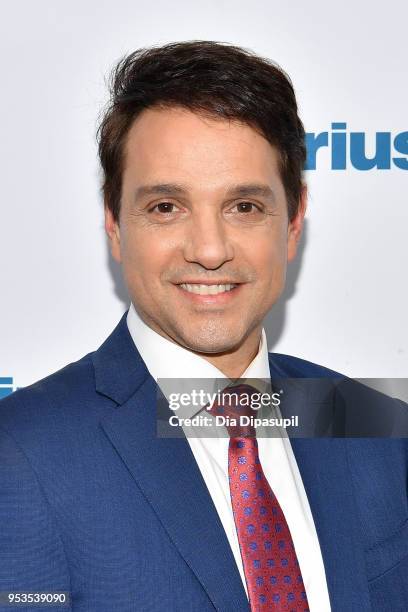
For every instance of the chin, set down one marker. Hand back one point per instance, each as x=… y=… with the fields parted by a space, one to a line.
x=202 y=341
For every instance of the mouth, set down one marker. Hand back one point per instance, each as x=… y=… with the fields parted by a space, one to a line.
x=208 y=294
x=200 y=289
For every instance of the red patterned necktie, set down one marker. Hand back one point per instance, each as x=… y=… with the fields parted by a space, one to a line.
x=271 y=568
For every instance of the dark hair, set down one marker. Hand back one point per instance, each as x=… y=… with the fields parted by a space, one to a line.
x=211 y=78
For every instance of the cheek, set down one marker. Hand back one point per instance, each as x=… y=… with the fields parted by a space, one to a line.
x=269 y=258
x=144 y=257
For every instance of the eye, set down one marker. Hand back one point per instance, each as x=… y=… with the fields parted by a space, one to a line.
x=246 y=212
x=163 y=207
x=247 y=209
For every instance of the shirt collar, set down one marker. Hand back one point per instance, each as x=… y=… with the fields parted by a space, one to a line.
x=167 y=360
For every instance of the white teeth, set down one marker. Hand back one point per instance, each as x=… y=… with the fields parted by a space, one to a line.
x=207 y=289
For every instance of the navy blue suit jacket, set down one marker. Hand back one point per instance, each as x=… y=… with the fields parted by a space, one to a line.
x=93 y=503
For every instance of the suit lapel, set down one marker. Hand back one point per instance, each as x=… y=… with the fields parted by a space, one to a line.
x=165 y=471
x=323 y=465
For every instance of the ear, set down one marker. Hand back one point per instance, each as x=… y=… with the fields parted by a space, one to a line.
x=113 y=233
x=295 y=226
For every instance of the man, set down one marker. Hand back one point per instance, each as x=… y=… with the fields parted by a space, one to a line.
x=202 y=152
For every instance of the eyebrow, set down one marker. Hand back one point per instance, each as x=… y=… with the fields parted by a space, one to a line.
x=174 y=189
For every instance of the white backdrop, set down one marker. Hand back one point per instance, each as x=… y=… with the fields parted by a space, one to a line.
x=346 y=301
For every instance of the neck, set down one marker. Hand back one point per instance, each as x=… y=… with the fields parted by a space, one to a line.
x=234 y=363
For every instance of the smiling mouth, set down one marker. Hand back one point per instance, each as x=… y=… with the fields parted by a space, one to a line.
x=199 y=289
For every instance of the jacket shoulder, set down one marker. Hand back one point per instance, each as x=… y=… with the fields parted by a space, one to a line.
x=66 y=392
x=290 y=366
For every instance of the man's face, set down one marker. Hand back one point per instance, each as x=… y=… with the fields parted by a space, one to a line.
x=203 y=234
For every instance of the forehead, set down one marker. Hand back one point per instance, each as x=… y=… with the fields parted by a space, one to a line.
x=164 y=143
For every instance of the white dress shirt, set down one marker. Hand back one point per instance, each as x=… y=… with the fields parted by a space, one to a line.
x=165 y=359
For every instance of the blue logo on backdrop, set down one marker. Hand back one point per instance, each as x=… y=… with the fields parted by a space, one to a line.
x=351 y=149
x=6 y=386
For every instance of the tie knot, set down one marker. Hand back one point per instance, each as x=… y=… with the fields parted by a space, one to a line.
x=236 y=406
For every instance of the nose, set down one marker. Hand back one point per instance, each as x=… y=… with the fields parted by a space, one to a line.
x=207 y=242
